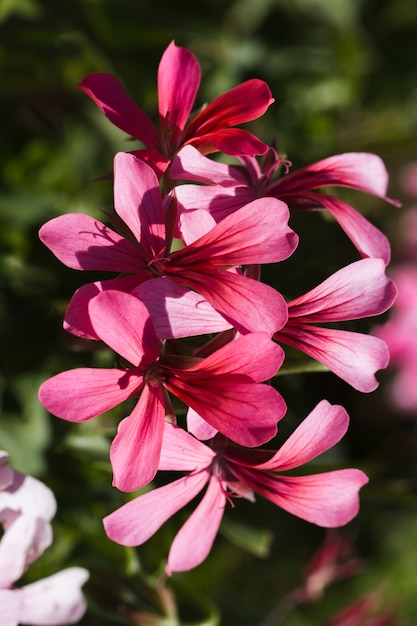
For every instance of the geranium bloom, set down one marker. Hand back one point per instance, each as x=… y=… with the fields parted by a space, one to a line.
x=367 y=611
x=400 y=333
x=26 y=506
x=358 y=290
x=329 y=499
x=221 y=388
x=178 y=82
x=257 y=233
x=231 y=187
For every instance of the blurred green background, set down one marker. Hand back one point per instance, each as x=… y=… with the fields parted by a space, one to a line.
x=344 y=76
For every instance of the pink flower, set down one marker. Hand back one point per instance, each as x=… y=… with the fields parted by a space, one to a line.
x=26 y=507
x=178 y=82
x=222 y=388
x=400 y=333
x=257 y=233
x=232 y=187
x=328 y=499
x=358 y=290
x=366 y=611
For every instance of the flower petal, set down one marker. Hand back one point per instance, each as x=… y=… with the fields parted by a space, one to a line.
x=80 y=394
x=56 y=600
x=10 y=602
x=190 y=164
x=182 y=452
x=135 y=450
x=320 y=430
x=138 y=202
x=109 y=95
x=194 y=540
x=28 y=496
x=83 y=243
x=137 y=520
x=123 y=323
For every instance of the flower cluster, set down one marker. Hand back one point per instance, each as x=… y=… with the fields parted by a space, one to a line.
x=185 y=261
x=26 y=509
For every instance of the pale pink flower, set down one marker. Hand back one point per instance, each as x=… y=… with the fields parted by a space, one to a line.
x=26 y=507
x=400 y=334
x=222 y=388
x=328 y=499
x=257 y=233
x=178 y=82
x=233 y=186
x=358 y=290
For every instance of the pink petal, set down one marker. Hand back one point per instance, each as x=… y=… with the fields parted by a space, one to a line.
x=182 y=452
x=109 y=95
x=234 y=141
x=329 y=499
x=6 y=473
x=256 y=233
x=246 y=413
x=190 y=164
x=135 y=450
x=10 y=602
x=354 y=357
x=320 y=430
x=245 y=303
x=244 y=103
x=138 y=202
x=194 y=541
x=22 y=543
x=357 y=170
x=77 y=318
x=199 y=427
x=179 y=77
x=158 y=162
x=137 y=520
x=358 y=290
x=56 y=600
x=178 y=312
x=123 y=323
x=83 y=243
x=80 y=394
x=238 y=360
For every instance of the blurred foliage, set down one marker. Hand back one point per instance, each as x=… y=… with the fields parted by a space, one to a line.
x=344 y=76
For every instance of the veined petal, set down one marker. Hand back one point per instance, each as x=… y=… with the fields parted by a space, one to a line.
x=238 y=360
x=246 y=303
x=135 y=450
x=137 y=520
x=77 y=317
x=329 y=499
x=357 y=170
x=55 y=600
x=83 y=243
x=190 y=164
x=123 y=323
x=158 y=162
x=256 y=233
x=178 y=312
x=80 y=394
x=244 y=103
x=199 y=427
x=320 y=430
x=182 y=452
x=246 y=413
x=109 y=95
x=234 y=141
x=137 y=200
x=354 y=357
x=358 y=290
x=194 y=540
x=179 y=78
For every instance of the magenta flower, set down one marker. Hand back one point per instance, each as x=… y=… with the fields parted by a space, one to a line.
x=400 y=333
x=358 y=290
x=366 y=611
x=231 y=187
x=26 y=507
x=178 y=82
x=328 y=499
x=257 y=233
x=222 y=388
